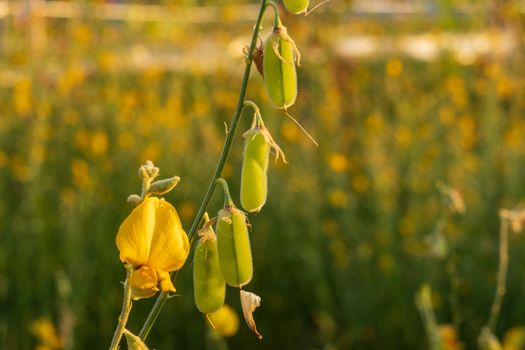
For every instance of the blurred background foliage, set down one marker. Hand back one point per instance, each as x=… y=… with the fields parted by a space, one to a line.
x=399 y=95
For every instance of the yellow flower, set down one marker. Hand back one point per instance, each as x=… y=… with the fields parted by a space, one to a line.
x=152 y=240
x=224 y=321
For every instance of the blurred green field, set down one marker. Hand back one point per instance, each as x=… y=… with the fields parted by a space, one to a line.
x=341 y=247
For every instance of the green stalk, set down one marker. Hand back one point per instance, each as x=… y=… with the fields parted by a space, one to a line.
x=227 y=197
x=276 y=20
x=126 y=308
x=258 y=121
x=454 y=281
x=163 y=296
x=502 y=273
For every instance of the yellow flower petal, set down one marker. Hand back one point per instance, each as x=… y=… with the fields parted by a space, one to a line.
x=137 y=294
x=169 y=244
x=143 y=283
x=165 y=282
x=135 y=234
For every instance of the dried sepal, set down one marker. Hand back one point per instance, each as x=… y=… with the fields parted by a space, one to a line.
x=249 y=302
x=206 y=231
x=274 y=146
x=258 y=53
x=282 y=33
x=258 y=59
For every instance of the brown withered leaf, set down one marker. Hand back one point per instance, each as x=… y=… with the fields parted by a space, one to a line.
x=250 y=302
x=258 y=55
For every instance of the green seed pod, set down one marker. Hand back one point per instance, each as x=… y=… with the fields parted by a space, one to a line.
x=296 y=6
x=235 y=254
x=208 y=284
x=280 y=77
x=254 y=182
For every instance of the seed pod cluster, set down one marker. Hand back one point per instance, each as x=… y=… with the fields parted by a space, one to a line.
x=226 y=258
x=209 y=286
x=235 y=254
x=254 y=181
x=279 y=59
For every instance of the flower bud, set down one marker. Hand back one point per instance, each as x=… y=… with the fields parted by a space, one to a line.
x=161 y=187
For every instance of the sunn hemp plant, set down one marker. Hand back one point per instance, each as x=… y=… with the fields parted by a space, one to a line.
x=441 y=246
x=153 y=245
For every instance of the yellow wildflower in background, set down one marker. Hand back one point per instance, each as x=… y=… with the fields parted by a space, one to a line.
x=44 y=330
x=394 y=68
x=225 y=321
x=514 y=338
x=449 y=338
x=152 y=240
x=338 y=162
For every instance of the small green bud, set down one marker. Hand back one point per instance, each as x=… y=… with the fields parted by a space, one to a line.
x=134 y=199
x=164 y=186
x=148 y=171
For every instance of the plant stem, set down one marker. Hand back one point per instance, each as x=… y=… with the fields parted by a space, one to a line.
x=216 y=340
x=163 y=296
x=276 y=20
x=454 y=279
x=227 y=197
x=257 y=121
x=454 y=293
x=502 y=273
x=126 y=308
x=429 y=320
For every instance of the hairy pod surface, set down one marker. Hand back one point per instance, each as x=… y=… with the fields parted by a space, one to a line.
x=254 y=180
x=208 y=284
x=235 y=254
x=296 y=6
x=280 y=76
